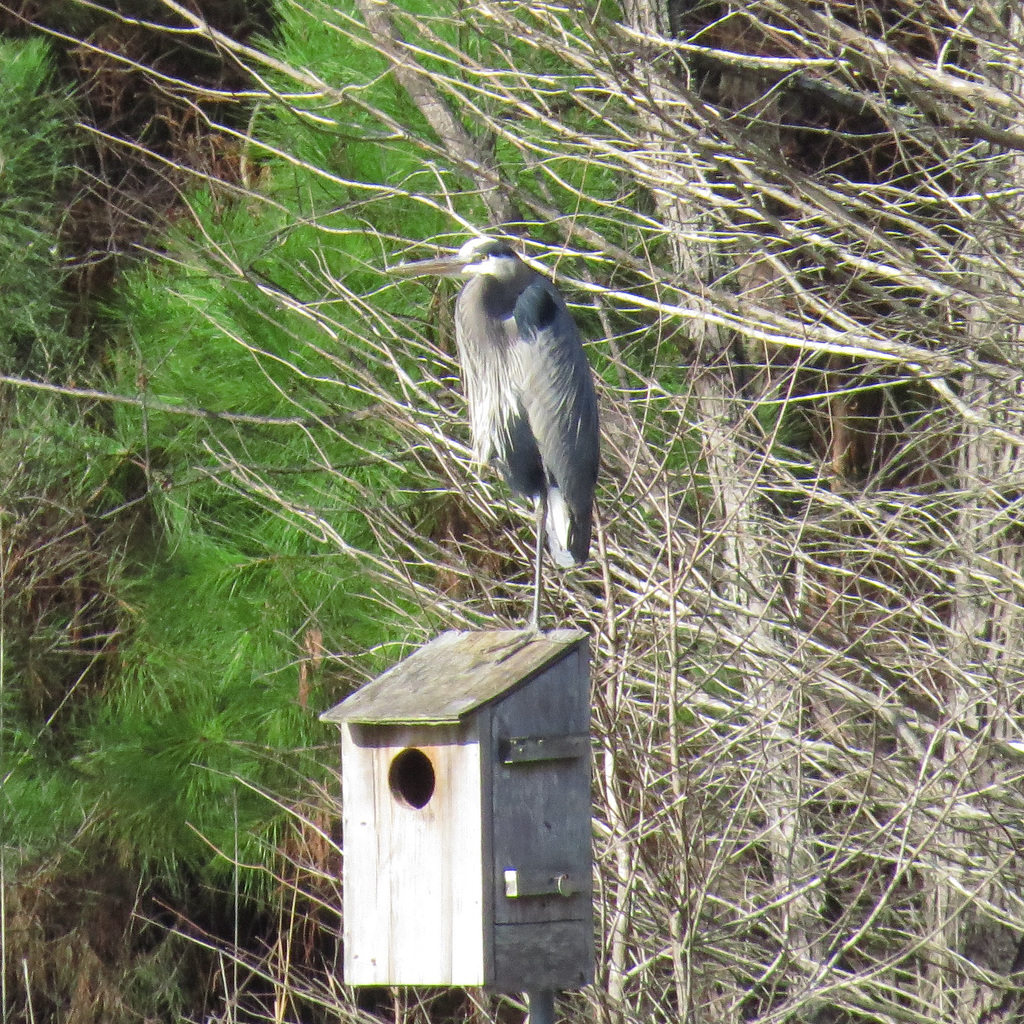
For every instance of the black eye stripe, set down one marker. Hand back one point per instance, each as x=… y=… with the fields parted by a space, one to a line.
x=494 y=248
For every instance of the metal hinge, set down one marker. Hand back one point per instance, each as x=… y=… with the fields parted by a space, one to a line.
x=523 y=749
x=520 y=883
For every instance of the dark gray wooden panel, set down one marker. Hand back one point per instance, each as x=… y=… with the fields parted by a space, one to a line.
x=556 y=955
x=453 y=675
x=542 y=809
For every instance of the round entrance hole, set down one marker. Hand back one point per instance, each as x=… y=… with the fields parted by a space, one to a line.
x=411 y=778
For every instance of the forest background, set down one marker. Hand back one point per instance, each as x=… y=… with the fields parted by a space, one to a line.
x=235 y=484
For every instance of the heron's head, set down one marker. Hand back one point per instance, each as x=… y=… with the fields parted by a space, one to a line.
x=479 y=257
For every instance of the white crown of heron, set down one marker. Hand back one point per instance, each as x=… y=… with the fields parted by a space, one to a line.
x=501 y=267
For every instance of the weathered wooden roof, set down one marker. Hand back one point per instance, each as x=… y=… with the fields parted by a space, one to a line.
x=453 y=675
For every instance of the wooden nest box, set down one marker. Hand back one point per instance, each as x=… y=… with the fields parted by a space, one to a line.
x=466 y=815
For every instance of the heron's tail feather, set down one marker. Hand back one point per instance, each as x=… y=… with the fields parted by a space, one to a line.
x=558 y=525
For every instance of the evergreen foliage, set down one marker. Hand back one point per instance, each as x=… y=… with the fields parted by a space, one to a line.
x=55 y=600
x=35 y=169
x=167 y=633
x=251 y=571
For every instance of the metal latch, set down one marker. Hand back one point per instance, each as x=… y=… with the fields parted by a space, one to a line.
x=566 y=747
x=520 y=883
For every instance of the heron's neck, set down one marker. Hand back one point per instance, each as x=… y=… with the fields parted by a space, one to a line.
x=498 y=296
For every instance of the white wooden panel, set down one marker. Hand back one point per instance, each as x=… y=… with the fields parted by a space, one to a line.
x=413 y=884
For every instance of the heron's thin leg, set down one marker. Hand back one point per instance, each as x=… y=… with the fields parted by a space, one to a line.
x=542 y=515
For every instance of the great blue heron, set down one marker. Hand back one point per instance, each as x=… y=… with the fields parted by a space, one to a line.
x=530 y=391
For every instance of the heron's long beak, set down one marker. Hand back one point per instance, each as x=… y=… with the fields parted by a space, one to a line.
x=443 y=266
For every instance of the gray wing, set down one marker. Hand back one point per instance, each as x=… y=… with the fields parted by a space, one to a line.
x=556 y=390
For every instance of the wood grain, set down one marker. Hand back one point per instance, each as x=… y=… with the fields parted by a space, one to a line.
x=453 y=675
x=557 y=955
x=542 y=809
x=413 y=911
